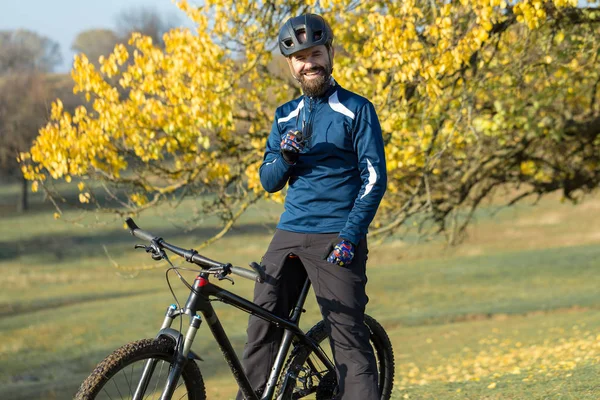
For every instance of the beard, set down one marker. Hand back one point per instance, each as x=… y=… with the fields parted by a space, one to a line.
x=316 y=87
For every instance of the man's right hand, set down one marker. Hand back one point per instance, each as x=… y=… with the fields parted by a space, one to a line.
x=291 y=146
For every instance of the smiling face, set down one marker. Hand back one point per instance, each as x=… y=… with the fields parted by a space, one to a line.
x=312 y=68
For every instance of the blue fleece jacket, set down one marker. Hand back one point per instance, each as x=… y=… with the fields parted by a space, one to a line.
x=339 y=179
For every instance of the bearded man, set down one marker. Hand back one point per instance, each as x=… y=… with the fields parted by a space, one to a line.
x=327 y=147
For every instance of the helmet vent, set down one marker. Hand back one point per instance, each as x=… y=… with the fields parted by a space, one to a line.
x=301 y=35
x=288 y=43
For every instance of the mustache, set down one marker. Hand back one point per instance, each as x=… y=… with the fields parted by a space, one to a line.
x=314 y=69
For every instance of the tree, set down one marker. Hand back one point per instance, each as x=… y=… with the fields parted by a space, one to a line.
x=473 y=96
x=23 y=101
x=95 y=43
x=146 y=21
x=24 y=96
x=25 y=50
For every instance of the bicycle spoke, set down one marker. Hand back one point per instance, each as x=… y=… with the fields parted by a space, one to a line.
x=185 y=394
x=109 y=396
x=132 y=381
x=127 y=380
x=115 y=383
x=178 y=386
x=159 y=375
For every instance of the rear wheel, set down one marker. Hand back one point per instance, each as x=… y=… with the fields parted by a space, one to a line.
x=305 y=375
x=117 y=376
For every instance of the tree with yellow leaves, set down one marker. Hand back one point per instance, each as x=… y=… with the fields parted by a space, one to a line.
x=472 y=95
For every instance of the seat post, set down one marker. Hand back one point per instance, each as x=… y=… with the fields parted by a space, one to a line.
x=298 y=309
x=286 y=341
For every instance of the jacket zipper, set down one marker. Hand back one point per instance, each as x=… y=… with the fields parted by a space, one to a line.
x=308 y=129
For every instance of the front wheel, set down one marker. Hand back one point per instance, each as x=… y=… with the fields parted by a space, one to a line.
x=119 y=374
x=305 y=374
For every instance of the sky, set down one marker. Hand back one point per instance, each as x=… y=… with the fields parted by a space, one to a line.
x=62 y=20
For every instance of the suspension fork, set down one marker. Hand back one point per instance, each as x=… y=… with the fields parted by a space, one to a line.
x=181 y=353
x=151 y=363
x=182 y=350
x=181 y=358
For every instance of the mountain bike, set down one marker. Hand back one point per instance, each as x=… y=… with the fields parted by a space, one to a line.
x=166 y=367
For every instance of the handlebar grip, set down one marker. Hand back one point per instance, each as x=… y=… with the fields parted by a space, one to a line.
x=137 y=232
x=260 y=270
x=246 y=273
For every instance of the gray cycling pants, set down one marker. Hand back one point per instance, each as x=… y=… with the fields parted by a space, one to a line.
x=341 y=296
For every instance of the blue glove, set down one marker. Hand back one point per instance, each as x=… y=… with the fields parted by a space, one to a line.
x=291 y=146
x=342 y=253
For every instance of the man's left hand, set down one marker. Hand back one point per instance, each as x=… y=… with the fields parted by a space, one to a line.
x=342 y=253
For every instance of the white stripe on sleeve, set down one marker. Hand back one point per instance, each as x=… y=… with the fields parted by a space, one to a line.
x=372 y=178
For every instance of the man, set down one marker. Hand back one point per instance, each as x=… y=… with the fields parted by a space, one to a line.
x=327 y=146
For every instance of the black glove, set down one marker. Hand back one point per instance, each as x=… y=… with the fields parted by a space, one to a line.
x=292 y=145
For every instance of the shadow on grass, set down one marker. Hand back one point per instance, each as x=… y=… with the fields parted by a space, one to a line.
x=68 y=374
x=60 y=247
x=7 y=309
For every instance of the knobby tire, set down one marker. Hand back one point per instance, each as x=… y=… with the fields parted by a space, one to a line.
x=145 y=349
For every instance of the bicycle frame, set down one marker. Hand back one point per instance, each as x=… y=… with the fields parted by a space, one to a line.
x=198 y=300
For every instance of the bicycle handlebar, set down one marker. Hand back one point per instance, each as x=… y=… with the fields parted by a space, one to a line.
x=246 y=273
x=192 y=256
x=137 y=232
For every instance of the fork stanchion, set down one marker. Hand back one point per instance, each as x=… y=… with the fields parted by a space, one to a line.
x=169 y=317
x=191 y=334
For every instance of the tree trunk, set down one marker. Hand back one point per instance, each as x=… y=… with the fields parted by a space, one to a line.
x=23 y=204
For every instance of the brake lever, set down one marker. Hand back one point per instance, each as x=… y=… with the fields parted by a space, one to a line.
x=223 y=276
x=157 y=254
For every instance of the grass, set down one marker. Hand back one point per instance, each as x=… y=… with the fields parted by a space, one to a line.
x=512 y=313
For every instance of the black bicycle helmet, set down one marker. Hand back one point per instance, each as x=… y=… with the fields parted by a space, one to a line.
x=317 y=31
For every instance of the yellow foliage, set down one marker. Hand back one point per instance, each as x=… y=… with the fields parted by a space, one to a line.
x=196 y=112
x=505 y=358
x=528 y=168
x=84 y=197
x=137 y=198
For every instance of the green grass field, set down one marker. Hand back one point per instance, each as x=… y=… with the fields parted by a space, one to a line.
x=512 y=313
